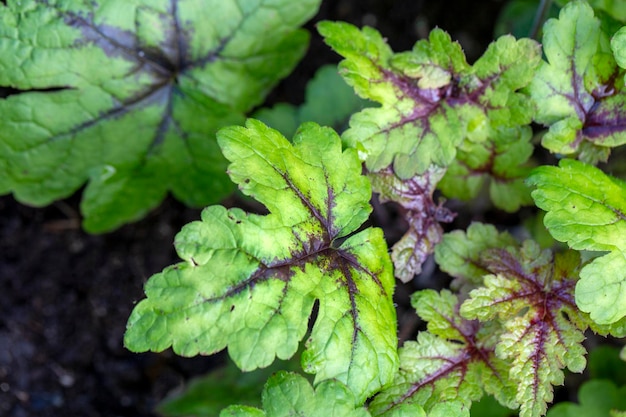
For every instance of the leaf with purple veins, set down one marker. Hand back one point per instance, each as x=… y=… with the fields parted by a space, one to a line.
x=453 y=361
x=431 y=98
x=579 y=92
x=249 y=282
x=531 y=292
x=423 y=215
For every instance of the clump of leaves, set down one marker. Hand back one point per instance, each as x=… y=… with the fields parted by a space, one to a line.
x=128 y=95
x=450 y=110
x=586 y=209
x=511 y=337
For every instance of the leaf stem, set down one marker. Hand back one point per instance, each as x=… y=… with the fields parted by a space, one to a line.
x=540 y=17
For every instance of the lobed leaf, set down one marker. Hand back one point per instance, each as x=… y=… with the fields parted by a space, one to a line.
x=586 y=209
x=431 y=99
x=423 y=215
x=288 y=394
x=579 y=92
x=127 y=95
x=499 y=163
x=531 y=293
x=249 y=281
x=453 y=362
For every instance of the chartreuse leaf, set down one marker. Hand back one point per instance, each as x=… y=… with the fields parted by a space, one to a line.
x=579 y=92
x=248 y=282
x=459 y=253
x=530 y=292
x=499 y=163
x=597 y=398
x=454 y=361
x=431 y=99
x=288 y=394
x=422 y=214
x=329 y=101
x=128 y=94
x=587 y=209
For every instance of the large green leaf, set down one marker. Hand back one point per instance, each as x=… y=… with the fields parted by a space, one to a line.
x=128 y=95
x=249 y=281
x=587 y=209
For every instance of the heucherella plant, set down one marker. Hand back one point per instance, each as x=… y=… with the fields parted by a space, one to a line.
x=127 y=95
x=313 y=275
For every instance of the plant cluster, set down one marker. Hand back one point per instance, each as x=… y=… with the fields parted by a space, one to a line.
x=313 y=269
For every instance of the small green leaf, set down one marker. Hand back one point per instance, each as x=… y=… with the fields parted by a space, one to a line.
x=605 y=363
x=127 y=95
x=598 y=398
x=431 y=99
x=329 y=101
x=287 y=394
x=499 y=162
x=249 y=282
x=579 y=92
x=587 y=209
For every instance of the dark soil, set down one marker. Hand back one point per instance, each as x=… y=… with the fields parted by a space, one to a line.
x=65 y=295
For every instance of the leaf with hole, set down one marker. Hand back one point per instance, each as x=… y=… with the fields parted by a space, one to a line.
x=249 y=282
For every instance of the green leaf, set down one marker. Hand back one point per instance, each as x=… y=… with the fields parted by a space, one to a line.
x=459 y=253
x=329 y=101
x=454 y=361
x=598 y=398
x=605 y=363
x=586 y=209
x=579 y=92
x=207 y=395
x=287 y=394
x=431 y=99
x=422 y=214
x=500 y=162
x=127 y=95
x=531 y=292
x=249 y=281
